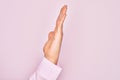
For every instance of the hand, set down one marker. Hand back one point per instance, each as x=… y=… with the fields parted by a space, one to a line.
x=52 y=47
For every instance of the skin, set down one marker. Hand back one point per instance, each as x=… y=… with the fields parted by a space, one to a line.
x=52 y=47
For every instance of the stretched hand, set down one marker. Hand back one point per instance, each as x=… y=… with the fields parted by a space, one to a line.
x=52 y=46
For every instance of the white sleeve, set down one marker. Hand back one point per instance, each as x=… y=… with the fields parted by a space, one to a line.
x=46 y=71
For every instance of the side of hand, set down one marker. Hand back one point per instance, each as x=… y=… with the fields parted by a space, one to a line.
x=52 y=46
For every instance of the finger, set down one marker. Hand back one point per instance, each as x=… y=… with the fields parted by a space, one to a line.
x=51 y=35
x=62 y=12
x=61 y=18
x=49 y=41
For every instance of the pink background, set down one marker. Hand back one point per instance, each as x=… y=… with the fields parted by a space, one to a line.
x=91 y=44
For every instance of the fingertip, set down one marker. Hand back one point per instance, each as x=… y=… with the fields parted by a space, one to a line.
x=65 y=5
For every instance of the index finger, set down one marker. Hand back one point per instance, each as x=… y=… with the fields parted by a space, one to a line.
x=61 y=18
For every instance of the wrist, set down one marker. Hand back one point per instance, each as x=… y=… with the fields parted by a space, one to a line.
x=53 y=60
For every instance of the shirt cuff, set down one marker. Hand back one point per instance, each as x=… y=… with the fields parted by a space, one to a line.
x=48 y=70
